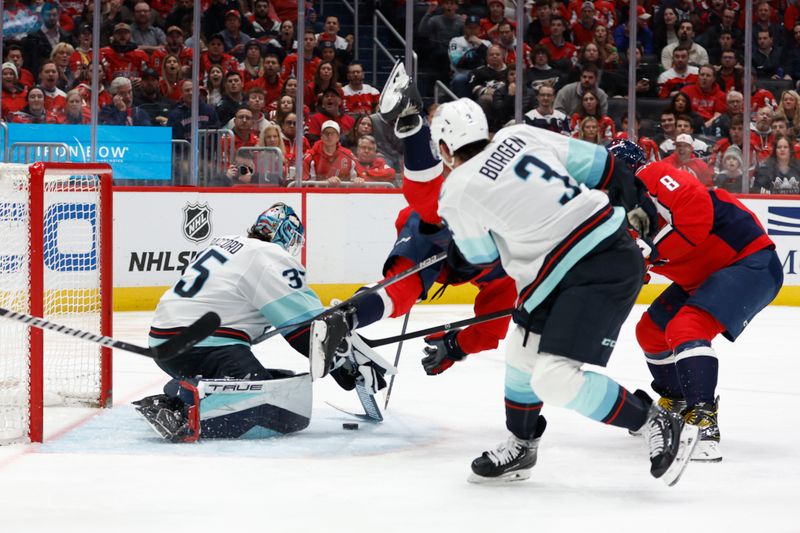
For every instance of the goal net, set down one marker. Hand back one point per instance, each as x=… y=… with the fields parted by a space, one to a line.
x=55 y=263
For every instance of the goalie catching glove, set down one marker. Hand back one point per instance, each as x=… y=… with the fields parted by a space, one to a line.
x=442 y=352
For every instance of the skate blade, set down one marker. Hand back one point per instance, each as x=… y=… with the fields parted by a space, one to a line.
x=689 y=438
x=508 y=477
x=707 y=452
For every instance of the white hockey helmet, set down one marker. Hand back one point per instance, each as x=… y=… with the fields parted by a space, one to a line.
x=458 y=124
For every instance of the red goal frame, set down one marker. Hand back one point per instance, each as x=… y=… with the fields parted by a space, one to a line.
x=37 y=173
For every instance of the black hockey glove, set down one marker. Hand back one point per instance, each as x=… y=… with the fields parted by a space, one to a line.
x=442 y=352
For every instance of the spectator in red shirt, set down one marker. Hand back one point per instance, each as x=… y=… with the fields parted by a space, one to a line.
x=490 y=26
x=369 y=165
x=14 y=94
x=683 y=158
x=289 y=130
x=271 y=81
x=583 y=28
x=324 y=79
x=330 y=110
x=328 y=160
x=173 y=46
x=34 y=112
x=359 y=97
x=562 y=52
x=24 y=76
x=54 y=98
x=75 y=111
x=169 y=84
x=708 y=100
x=123 y=58
x=590 y=107
x=243 y=134
x=508 y=42
x=216 y=54
x=310 y=62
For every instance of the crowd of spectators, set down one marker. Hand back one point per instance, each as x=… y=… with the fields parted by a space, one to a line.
x=248 y=81
x=688 y=63
x=689 y=77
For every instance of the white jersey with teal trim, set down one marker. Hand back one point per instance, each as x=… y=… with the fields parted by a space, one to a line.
x=250 y=283
x=523 y=199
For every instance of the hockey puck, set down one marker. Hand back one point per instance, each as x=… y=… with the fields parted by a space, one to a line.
x=349 y=425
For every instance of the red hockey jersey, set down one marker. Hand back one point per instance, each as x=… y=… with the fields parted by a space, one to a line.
x=700 y=231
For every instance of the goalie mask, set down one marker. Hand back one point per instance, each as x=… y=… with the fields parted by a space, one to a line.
x=281 y=225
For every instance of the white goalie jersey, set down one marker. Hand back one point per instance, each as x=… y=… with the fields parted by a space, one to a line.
x=523 y=199
x=250 y=283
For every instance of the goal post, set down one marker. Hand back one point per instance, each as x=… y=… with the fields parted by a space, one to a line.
x=55 y=263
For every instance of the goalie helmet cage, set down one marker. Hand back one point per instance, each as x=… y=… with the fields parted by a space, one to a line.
x=55 y=263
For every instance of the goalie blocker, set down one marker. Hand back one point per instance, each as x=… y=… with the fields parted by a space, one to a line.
x=229 y=408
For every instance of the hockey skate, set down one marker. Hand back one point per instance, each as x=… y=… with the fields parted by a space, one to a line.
x=704 y=416
x=166 y=416
x=401 y=103
x=512 y=460
x=671 y=443
x=669 y=404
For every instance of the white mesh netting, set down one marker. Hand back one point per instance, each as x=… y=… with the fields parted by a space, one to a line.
x=71 y=257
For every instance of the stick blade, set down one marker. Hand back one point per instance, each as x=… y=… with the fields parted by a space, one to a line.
x=186 y=339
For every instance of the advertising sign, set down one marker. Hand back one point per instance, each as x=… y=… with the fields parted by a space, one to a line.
x=134 y=152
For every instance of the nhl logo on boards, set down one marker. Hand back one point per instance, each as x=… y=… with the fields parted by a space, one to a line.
x=197 y=222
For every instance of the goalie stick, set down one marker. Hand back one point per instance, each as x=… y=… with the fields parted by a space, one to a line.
x=177 y=345
x=374 y=343
x=356 y=297
x=372 y=412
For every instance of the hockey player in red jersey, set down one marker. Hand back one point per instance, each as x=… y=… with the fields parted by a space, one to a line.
x=724 y=270
x=421 y=235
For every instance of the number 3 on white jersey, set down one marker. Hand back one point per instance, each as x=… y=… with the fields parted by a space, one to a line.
x=669 y=182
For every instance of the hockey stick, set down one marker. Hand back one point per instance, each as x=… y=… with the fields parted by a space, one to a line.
x=373 y=343
x=396 y=361
x=177 y=345
x=357 y=296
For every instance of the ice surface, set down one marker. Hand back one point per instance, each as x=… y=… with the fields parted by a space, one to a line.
x=107 y=471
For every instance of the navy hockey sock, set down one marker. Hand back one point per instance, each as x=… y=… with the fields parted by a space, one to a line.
x=628 y=411
x=369 y=309
x=665 y=375
x=522 y=418
x=697 y=368
x=419 y=154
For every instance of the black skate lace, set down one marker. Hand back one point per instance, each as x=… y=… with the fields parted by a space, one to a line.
x=505 y=452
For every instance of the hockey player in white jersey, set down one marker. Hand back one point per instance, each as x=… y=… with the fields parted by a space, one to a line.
x=520 y=199
x=253 y=282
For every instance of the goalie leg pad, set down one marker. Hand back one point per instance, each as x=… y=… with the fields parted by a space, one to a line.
x=232 y=409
